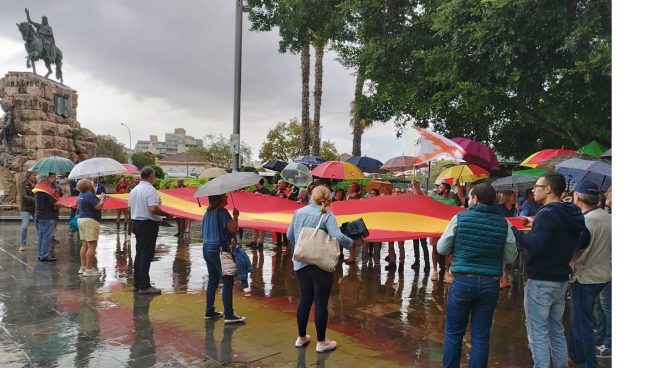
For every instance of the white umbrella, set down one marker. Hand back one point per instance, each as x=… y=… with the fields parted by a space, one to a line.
x=228 y=183
x=212 y=172
x=97 y=166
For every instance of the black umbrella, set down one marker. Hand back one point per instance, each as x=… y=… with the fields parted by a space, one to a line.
x=275 y=165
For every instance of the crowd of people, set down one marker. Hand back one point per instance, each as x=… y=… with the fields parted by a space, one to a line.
x=566 y=253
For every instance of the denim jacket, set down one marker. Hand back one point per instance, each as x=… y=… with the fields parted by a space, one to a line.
x=308 y=216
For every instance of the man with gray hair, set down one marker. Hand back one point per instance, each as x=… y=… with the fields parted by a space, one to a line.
x=591 y=272
x=144 y=204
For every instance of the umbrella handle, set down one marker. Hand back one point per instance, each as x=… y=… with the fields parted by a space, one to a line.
x=199 y=205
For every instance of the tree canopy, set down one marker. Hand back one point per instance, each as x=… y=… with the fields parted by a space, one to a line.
x=108 y=146
x=283 y=143
x=217 y=151
x=518 y=74
x=143 y=159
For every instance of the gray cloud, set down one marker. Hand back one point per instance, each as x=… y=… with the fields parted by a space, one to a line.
x=181 y=54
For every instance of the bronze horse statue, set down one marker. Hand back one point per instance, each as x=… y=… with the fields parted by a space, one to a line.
x=34 y=46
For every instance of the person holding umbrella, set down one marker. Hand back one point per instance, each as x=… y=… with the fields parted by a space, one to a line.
x=144 y=204
x=218 y=228
x=46 y=202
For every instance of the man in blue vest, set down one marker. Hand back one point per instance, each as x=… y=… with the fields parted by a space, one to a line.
x=481 y=242
x=557 y=231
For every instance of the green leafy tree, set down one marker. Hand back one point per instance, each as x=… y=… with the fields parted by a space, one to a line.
x=108 y=146
x=520 y=75
x=159 y=172
x=217 y=151
x=283 y=143
x=143 y=159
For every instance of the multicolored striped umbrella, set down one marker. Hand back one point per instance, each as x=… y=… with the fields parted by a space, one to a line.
x=401 y=163
x=540 y=157
x=463 y=174
x=337 y=170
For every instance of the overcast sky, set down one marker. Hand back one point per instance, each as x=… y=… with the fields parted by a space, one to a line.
x=158 y=65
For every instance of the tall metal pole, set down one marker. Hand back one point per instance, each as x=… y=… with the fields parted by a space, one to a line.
x=235 y=139
x=129 y=133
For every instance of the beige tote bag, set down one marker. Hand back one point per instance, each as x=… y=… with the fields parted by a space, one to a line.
x=314 y=246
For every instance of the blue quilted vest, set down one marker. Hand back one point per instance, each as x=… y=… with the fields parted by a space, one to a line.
x=479 y=241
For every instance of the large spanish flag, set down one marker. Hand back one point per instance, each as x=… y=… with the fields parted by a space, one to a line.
x=388 y=218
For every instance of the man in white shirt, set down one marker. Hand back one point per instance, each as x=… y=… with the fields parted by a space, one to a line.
x=144 y=203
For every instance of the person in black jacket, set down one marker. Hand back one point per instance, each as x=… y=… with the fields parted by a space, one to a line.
x=557 y=231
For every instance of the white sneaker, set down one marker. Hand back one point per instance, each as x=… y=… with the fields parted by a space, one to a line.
x=234 y=319
x=302 y=341
x=81 y=270
x=91 y=272
x=325 y=346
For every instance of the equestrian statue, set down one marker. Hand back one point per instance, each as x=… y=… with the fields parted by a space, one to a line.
x=40 y=44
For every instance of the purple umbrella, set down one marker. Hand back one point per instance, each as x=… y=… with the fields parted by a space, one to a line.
x=478 y=153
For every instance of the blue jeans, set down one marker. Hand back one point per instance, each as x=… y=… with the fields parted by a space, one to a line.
x=24 y=222
x=212 y=258
x=583 y=349
x=477 y=297
x=46 y=233
x=603 y=316
x=544 y=306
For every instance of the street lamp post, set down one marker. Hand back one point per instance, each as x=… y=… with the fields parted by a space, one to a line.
x=235 y=138
x=129 y=133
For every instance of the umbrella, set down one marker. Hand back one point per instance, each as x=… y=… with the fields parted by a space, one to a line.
x=515 y=183
x=578 y=170
x=463 y=174
x=366 y=164
x=131 y=169
x=607 y=154
x=227 y=183
x=310 y=161
x=297 y=174
x=539 y=157
x=552 y=162
x=384 y=187
x=212 y=172
x=401 y=163
x=593 y=149
x=529 y=172
x=52 y=164
x=337 y=170
x=97 y=166
x=275 y=165
x=478 y=153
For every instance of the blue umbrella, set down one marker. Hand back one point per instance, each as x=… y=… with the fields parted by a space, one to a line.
x=577 y=170
x=310 y=161
x=366 y=164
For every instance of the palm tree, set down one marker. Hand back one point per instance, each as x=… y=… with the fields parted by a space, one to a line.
x=319 y=47
x=304 y=122
x=357 y=122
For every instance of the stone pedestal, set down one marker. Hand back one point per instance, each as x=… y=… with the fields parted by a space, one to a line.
x=45 y=124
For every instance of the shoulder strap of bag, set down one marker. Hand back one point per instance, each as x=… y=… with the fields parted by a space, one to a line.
x=319 y=224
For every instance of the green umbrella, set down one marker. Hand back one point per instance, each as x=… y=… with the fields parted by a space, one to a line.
x=52 y=164
x=593 y=149
x=529 y=172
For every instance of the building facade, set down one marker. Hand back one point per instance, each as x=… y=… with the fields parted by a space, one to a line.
x=176 y=142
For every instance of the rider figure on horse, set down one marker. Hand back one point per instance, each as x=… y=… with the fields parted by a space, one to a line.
x=45 y=31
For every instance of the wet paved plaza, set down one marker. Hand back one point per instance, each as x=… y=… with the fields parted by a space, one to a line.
x=52 y=317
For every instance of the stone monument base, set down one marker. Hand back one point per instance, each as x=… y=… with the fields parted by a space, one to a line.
x=45 y=124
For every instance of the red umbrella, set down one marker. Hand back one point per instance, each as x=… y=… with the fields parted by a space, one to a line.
x=337 y=170
x=540 y=157
x=401 y=163
x=478 y=153
x=131 y=169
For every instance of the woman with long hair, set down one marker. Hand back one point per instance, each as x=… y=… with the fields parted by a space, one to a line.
x=218 y=227
x=314 y=283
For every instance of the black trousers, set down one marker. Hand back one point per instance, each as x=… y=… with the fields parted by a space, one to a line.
x=145 y=232
x=315 y=286
x=424 y=245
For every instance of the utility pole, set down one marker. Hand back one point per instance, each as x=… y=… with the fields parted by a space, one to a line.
x=235 y=138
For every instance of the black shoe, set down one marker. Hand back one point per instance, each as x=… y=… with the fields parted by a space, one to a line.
x=49 y=259
x=416 y=266
x=213 y=314
x=55 y=241
x=176 y=234
x=391 y=266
